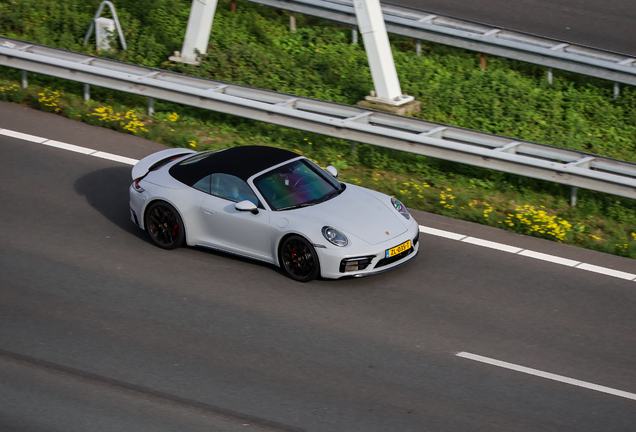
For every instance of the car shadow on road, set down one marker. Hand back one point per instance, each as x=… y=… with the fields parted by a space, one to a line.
x=242 y=259
x=106 y=190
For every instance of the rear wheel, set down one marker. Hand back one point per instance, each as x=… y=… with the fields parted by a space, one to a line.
x=165 y=225
x=299 y=259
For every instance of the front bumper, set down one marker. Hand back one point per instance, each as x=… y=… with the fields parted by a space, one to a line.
x=333 y=260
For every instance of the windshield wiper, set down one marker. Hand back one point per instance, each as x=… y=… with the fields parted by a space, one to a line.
x=307 y=204
x=332 y=194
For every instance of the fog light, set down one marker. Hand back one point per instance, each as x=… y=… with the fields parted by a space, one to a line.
x=351 y=266
x=355 y=264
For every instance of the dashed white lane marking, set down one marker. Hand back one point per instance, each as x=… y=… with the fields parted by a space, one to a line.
x=424 y=229
x=547 y=375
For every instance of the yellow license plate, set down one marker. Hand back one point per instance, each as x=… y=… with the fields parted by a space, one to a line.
x=398 y=249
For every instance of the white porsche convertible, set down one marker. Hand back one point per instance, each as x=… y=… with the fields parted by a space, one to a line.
x=271 y=205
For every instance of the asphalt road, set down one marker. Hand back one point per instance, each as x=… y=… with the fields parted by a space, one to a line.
x=102 y=331
x=607 y=24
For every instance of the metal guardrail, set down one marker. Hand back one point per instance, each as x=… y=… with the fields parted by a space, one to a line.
x=341 y=121
x=482 y=38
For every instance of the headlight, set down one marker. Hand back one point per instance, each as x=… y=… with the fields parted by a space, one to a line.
x=400 y=207
x=334 y=236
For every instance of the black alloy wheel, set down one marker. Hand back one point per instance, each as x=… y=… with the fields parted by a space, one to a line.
x=165 y=225
x=299 y=259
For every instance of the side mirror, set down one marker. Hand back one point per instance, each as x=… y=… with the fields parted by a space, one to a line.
x=246 y=205
x=333 y=171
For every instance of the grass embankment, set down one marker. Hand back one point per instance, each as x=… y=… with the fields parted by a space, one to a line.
x=255 y=47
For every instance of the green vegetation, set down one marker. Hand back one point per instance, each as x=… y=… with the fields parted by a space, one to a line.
x=255 y=47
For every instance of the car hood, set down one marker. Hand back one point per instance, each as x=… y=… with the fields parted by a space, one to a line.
x=358 y=212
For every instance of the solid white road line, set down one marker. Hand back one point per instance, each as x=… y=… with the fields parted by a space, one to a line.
x=528 y=253
x=70 y=147
x=424 y=229
x=549 y=258
x=492 y=245
x=440 y=233
x=116 y=158
x=606 y=271
x=547 y=375
x=22 y=136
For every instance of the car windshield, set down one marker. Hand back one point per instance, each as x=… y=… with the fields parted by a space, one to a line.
x=297 y=184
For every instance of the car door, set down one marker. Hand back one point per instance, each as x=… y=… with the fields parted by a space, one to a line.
x=237 y=231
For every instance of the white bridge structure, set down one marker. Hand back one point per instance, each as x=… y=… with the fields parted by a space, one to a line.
x=370 y=23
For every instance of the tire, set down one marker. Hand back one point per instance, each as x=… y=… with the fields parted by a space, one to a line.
x=164 y=225
x=299 y=259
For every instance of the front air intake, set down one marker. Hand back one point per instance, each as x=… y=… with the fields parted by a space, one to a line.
x=355 y=264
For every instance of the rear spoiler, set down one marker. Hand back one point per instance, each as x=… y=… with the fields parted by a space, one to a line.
x=142 y=167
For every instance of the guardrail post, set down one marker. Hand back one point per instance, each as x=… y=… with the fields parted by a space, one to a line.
x=354 y=35
x=24 y=83
x=418 y=47
x=151 y=106
x=87 y=92
x=573 y=196
x=550 y=76
x=354 y=149
x=233 y=6
x=292 y=22
x=482 y=60
x=617 y=90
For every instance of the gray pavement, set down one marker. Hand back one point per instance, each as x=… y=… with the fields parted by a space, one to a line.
x=602 y=24
x=101 y=330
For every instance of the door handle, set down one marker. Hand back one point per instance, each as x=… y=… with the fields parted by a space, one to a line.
x=208 y=211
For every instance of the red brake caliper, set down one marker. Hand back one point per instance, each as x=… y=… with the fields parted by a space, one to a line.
x=293 y=255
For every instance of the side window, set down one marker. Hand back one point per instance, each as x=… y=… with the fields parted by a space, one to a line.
x=231 y=188
x=204 y=184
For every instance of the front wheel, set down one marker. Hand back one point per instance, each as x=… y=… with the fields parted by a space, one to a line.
x=299 y=259
x=165 y=225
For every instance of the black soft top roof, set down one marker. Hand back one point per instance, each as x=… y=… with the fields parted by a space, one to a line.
x=242 y=162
